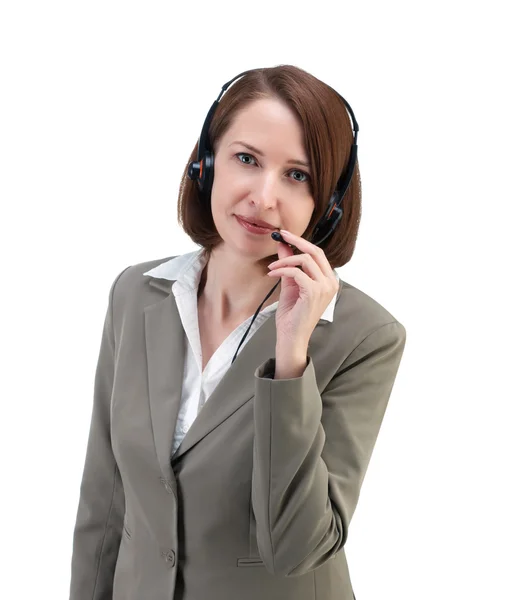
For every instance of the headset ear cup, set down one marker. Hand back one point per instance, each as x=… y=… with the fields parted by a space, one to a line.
x=208 y=173
x=202 y=172
x=329 y=220
x=337 y=213
x=193 y=170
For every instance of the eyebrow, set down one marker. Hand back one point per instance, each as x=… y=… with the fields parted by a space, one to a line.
x=257 y=151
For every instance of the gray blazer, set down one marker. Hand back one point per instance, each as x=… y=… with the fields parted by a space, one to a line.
x=257 y=501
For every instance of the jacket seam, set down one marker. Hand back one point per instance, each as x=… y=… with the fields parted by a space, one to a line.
x=270 y=473
x=112 y=307
x=105 y=531
x=375 y=331
x=366 y=337
x=113 y=287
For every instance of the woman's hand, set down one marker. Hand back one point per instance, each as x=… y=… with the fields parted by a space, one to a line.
x=305 y=293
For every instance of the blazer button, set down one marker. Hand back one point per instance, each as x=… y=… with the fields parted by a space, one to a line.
x=169 y=557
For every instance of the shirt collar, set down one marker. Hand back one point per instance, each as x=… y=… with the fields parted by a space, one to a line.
x=186 y=269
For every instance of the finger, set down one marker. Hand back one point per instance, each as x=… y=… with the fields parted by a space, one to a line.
x=284 y=251
x=300 y=277
x=315 y=251
x=306 y=262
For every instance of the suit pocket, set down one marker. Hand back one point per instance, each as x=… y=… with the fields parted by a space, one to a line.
x=250 y=562
x=253 y=548
x=254 y=560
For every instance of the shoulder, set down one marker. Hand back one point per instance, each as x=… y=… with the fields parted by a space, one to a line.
x=357 y=316
x=131 y=282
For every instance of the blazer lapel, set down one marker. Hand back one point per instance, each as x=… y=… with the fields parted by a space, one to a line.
x=164 y=343
x=165 y=340
x=235 y=388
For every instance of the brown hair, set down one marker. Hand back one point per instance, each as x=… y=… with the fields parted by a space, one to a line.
x=328 y=139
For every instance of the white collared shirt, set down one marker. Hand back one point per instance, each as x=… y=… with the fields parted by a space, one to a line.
x=198 y=385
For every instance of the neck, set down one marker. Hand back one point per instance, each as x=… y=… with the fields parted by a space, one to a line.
x=231 y=289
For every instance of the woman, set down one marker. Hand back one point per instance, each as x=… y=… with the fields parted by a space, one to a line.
x=207 y=479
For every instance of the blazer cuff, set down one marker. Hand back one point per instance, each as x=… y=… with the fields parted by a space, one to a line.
x=267 y=370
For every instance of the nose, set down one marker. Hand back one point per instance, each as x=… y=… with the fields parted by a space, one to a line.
x=267 y=190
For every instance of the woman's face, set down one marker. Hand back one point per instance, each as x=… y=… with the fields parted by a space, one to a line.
x=262 y=181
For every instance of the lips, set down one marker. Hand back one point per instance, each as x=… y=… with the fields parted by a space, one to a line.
x=259 y=223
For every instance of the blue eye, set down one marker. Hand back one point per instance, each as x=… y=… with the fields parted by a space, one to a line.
x=244 y=154
x=239 y=154
x=302 y=173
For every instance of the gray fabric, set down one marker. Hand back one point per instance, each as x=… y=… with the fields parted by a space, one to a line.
x=257 y=501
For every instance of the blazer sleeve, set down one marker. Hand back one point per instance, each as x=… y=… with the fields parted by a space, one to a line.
x=101 y=507
x=311 y=451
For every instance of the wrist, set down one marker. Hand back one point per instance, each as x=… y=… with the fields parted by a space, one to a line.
x=290 y=362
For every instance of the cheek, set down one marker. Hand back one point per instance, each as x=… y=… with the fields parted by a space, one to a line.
x=224 y=168
x=227 y=191
x=222 y=204
x=299 y=207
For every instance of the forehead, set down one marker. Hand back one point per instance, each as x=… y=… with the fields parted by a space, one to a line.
x=267 y=122
x=269 y=111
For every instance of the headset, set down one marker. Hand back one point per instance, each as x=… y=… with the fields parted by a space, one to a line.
x=202 y=171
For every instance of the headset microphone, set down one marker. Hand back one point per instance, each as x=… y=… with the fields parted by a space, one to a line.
x=202 y=171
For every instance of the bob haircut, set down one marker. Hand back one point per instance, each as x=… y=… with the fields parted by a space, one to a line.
x=328 y=138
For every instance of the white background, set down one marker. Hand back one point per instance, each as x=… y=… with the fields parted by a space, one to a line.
x=101 y=105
